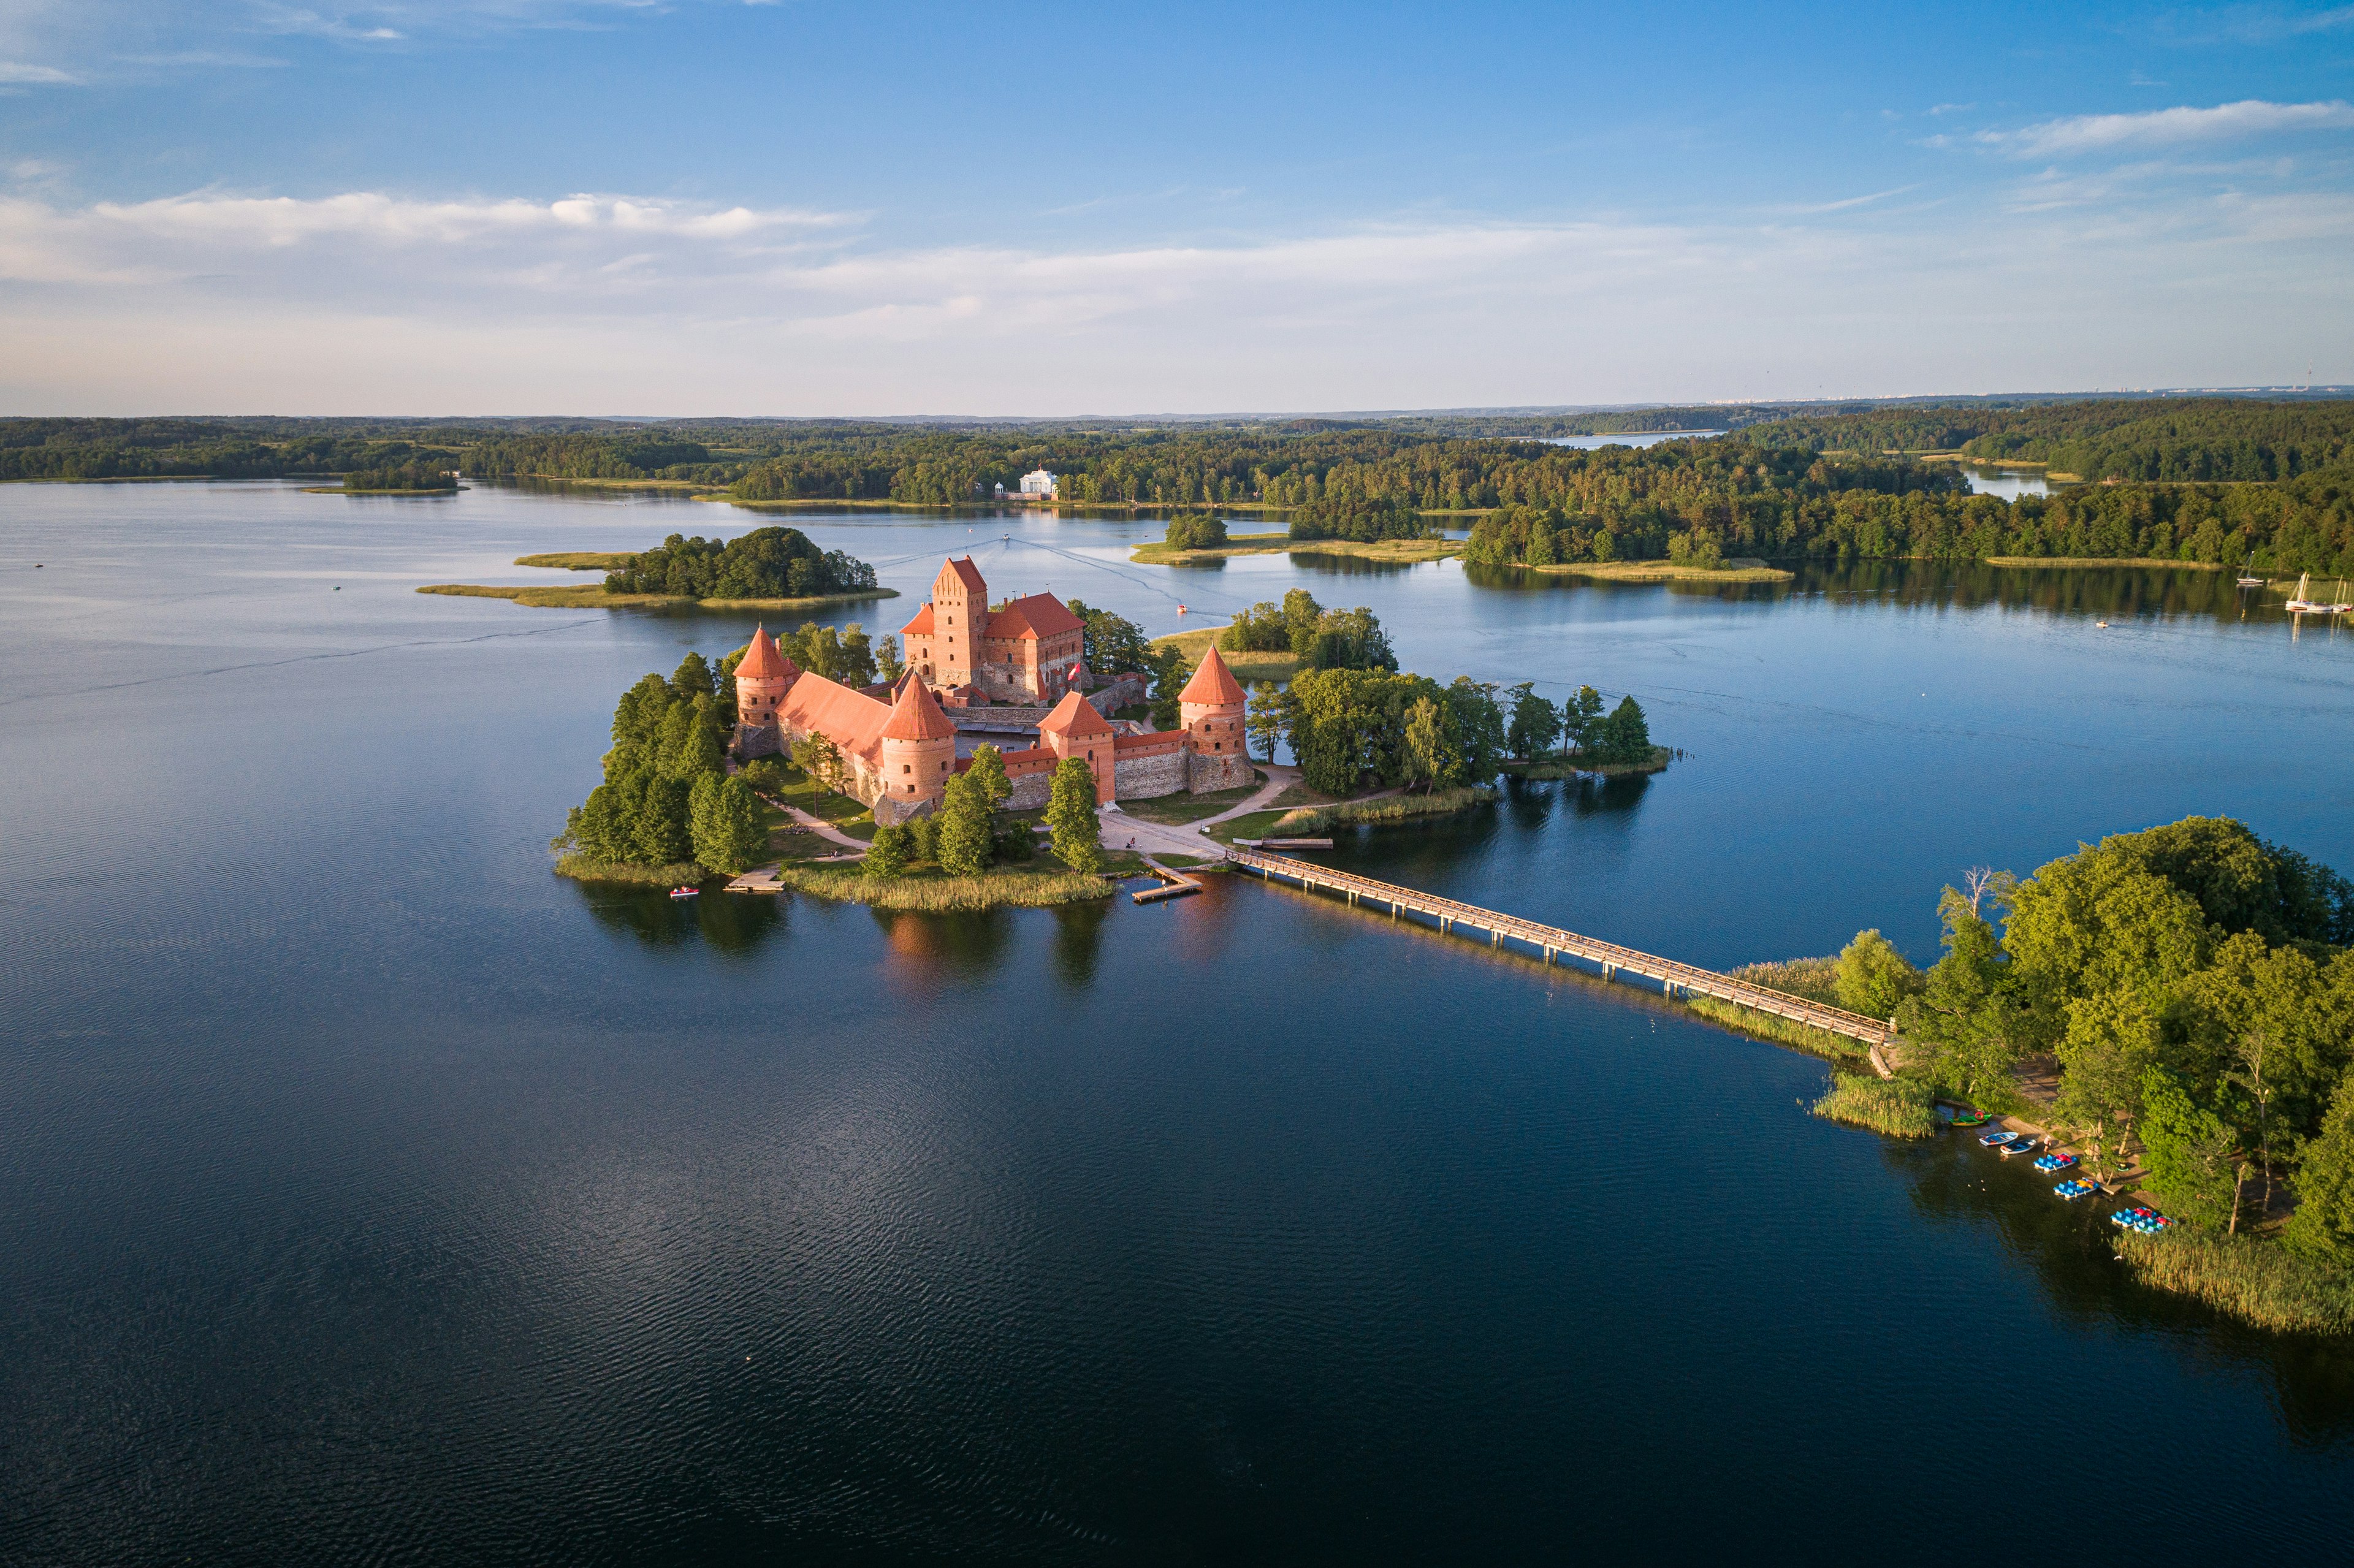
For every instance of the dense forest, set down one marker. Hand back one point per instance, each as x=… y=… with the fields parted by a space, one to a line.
x=766 y=563
x=2268 y=485
x=2186 y=439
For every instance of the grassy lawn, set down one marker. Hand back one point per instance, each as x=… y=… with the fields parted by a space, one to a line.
x=1248 y=667
x=1176 y=809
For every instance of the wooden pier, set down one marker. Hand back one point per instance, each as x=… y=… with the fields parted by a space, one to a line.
x=1554 y=943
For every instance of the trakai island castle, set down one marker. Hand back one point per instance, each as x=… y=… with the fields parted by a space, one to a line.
x=1016 y=667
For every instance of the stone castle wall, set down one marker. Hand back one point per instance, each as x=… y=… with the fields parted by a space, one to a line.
x=1142 y=777
x=1229 y=770
x=1031 y=792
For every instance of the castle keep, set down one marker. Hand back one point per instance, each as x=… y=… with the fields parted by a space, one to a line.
x=899 y=746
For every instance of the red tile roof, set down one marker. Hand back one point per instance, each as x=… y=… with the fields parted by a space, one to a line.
x=1032 y=615
x=1212 y=684
x=1165 y=740
x=922 y=625
x=852 y=720
x=971 y=574
x=918 y=716
x=764 y=660
x=1073 y=716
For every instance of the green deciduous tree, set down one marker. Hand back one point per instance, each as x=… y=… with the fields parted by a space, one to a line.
x=965 y=840
x=2323 y=1225
x=987 y=774
x=1534 y=724
x=1263 y=722
x=1477 y=727
x=1580 y=713
x=1964 y=1023
x=1071 y=813
x=816 y=756
x=1872 y=978
x=2193 y=1153
x=888 y=854
x=1428 y=757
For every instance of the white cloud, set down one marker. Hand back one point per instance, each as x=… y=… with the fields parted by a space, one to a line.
x=2168 y=127
x=596 y=302
x=14 y=72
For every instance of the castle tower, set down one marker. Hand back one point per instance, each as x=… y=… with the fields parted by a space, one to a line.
x=762 y=680
x=918 y=750
x=960 y=618
x=1211 y=709
x=1075 y=729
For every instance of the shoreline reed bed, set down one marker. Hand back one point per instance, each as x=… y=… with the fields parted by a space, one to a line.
x=1307 y=822
x=937 y=895
x=2258 y=1282
x=1814 y=979
x=1778 y=1030
x=1890 y=1106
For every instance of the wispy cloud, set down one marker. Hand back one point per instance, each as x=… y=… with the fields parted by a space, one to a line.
x=2167 y=127
x=2270 y=24
x=15 y=73
x=1852 y=202
x=222 y=299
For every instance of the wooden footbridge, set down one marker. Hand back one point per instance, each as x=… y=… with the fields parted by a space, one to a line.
x=1554 y=942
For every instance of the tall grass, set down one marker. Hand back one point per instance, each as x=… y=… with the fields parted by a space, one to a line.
x=938 y=894
x=1813 y=979
x=1891 y=1106
x=2258 y=1282
x=1779 y=1030
x=1310 y=821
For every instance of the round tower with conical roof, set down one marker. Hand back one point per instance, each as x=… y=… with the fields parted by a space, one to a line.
x=762 y=679
x=1211 y=709
x=918 y=754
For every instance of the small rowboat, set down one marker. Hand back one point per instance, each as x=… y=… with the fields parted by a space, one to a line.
x=2000 y=1135
x=685 y=892
x=1974 y=1119
x=2023 y=1144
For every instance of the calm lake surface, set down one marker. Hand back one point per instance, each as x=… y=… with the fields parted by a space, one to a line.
x=370 y=1194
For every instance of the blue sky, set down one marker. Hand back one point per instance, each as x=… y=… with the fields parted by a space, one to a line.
x=585 y=205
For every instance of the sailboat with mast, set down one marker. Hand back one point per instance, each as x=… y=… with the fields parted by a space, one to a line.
x=2302 y=602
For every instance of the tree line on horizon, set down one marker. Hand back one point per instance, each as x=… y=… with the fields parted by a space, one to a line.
x=1815 y=485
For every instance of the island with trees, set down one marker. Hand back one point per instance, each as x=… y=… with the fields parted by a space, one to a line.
x=398 y=479
x=766 y=569
x=671 y=810
x=2175 y=1005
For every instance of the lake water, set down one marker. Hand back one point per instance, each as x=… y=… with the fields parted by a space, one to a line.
x=2010 y=484
x=371 y=1194
x=1627 y=439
